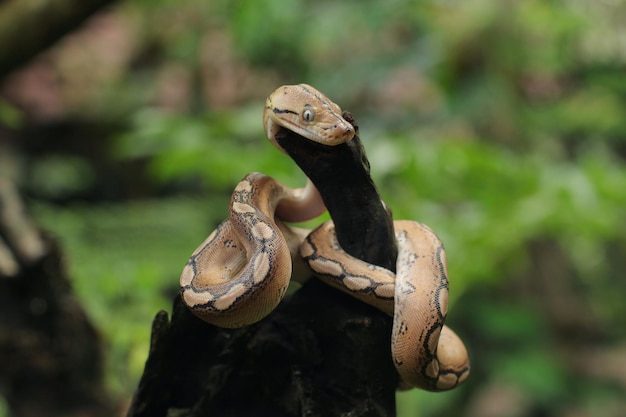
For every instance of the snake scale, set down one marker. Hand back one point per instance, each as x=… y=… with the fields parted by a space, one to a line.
x=239 y=274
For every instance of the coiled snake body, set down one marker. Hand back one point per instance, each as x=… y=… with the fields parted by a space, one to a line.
x=241 y=271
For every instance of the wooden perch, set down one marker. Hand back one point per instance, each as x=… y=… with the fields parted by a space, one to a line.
x=320 y=353
x=363 y=224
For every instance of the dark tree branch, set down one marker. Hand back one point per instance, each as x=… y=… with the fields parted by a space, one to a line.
x=363 y=224
x=28 y=27
x=320 y=353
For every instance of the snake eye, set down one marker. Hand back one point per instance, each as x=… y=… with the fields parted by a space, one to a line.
x=308 y=115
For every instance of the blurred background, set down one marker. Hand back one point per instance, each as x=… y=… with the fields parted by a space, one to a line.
x=500 y=124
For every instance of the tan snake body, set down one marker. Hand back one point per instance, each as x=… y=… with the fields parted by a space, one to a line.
x=239 y=274
x=241 y=271
x=427 y=353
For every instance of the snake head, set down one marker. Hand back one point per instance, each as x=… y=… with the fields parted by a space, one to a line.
x=307 y=112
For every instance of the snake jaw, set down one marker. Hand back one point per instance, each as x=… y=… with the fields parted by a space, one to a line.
x=307 y=112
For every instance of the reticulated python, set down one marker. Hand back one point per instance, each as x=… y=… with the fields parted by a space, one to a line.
x=240 y=273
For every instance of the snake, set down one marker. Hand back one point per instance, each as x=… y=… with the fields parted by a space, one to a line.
x=242 y=270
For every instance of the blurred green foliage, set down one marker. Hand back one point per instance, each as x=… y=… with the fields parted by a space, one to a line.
x=125 y=258
x=499 y=124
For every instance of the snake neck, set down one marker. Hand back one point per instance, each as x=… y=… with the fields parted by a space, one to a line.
x=300 y=204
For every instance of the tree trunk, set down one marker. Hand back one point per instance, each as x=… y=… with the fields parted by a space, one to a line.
x=320 y=353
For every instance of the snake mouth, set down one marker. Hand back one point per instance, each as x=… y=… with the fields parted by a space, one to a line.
x=326 y=134
x=323 y=133
x=340 y=133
